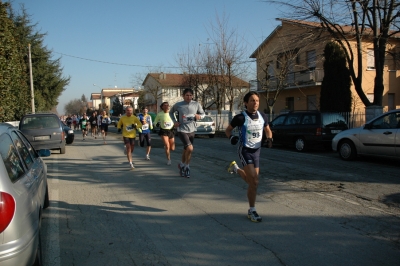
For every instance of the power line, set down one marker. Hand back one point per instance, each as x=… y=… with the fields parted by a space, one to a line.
x=111 y=63
x=121 y=64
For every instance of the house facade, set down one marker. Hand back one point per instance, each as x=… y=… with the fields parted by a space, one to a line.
x=292 y=46
x=168 y=87
x=96 y=100
x=127 y=96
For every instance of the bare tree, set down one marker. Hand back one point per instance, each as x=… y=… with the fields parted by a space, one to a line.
x=230 y=56
x=279 y=65
x=149 y=94
x=211 y=67
x=75 y=106
x=363 y=21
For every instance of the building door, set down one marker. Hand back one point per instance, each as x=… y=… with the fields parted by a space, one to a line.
x=312 y=102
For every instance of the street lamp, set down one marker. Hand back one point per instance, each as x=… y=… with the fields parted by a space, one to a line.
x=101 y=97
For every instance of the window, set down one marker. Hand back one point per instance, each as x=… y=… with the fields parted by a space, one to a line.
x=23 y=150
x=270 y=69
x=290 y=103
x=11 y=158
x=391 y=105
x=279 y=120
x=389 y=121
x=370 y=59
x=311 y=59
x=309 y=119
x=292 y=119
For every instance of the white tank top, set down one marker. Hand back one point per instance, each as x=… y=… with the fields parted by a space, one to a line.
x=252 y=131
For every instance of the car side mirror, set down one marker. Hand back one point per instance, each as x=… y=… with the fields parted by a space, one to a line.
x=367 y=126
x=44 y=153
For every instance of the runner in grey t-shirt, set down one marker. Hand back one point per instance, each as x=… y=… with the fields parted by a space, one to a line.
x=188 y=112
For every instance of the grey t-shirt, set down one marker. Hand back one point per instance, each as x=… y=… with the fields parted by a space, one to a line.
x=186 y=115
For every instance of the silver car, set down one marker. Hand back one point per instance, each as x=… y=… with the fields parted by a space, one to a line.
x=380 y=136
x=205 y=126
x=23 y=196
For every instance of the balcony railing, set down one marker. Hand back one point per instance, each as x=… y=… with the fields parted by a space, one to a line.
x=295 y=79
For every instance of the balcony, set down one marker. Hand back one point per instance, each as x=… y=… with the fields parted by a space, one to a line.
x=298 y=79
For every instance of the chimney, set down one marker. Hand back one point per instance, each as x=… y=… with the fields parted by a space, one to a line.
x=163 y=75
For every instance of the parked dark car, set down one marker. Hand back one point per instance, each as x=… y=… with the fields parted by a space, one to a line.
x=69 y=133
x=23 y=196
x=44 y=131
x=304 y=129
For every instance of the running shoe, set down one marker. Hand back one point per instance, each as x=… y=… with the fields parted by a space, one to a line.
x=131 y=166
x=181 y=170
x=231 y=167
x=253 y=216
x=125 y=150
x=147 y=157
x=169 y=162
x=187 y=172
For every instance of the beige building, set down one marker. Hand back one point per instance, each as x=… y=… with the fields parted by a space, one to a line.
x=96 y=100
x=168 y=87
x=127 y=96
x=292 y=46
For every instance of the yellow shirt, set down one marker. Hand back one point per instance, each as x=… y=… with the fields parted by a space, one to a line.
x=126 y=123
x=165 y=120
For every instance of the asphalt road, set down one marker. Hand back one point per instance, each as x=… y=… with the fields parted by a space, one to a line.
x=316 y=208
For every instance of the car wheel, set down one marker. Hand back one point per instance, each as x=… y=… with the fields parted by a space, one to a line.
x=211 y=136
x=347 y=150
x=300 y=144
x=46 y=203
x=62 y=150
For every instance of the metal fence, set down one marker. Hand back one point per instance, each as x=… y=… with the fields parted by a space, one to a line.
x=353 y=119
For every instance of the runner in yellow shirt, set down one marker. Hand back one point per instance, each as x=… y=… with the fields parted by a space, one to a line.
x=129 y=124
x=167 y=131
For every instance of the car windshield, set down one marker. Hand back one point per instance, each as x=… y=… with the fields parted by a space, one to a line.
x=39 y=122
x=332 y=119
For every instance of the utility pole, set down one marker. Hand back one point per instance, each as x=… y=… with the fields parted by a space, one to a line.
x=31 y=79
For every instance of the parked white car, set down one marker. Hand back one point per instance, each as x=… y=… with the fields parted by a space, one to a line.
x=380 y=136
x=23 y=196
x=205 y=126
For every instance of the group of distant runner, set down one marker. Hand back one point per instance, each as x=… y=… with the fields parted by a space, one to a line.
x=181 y=118
x=96 y=124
